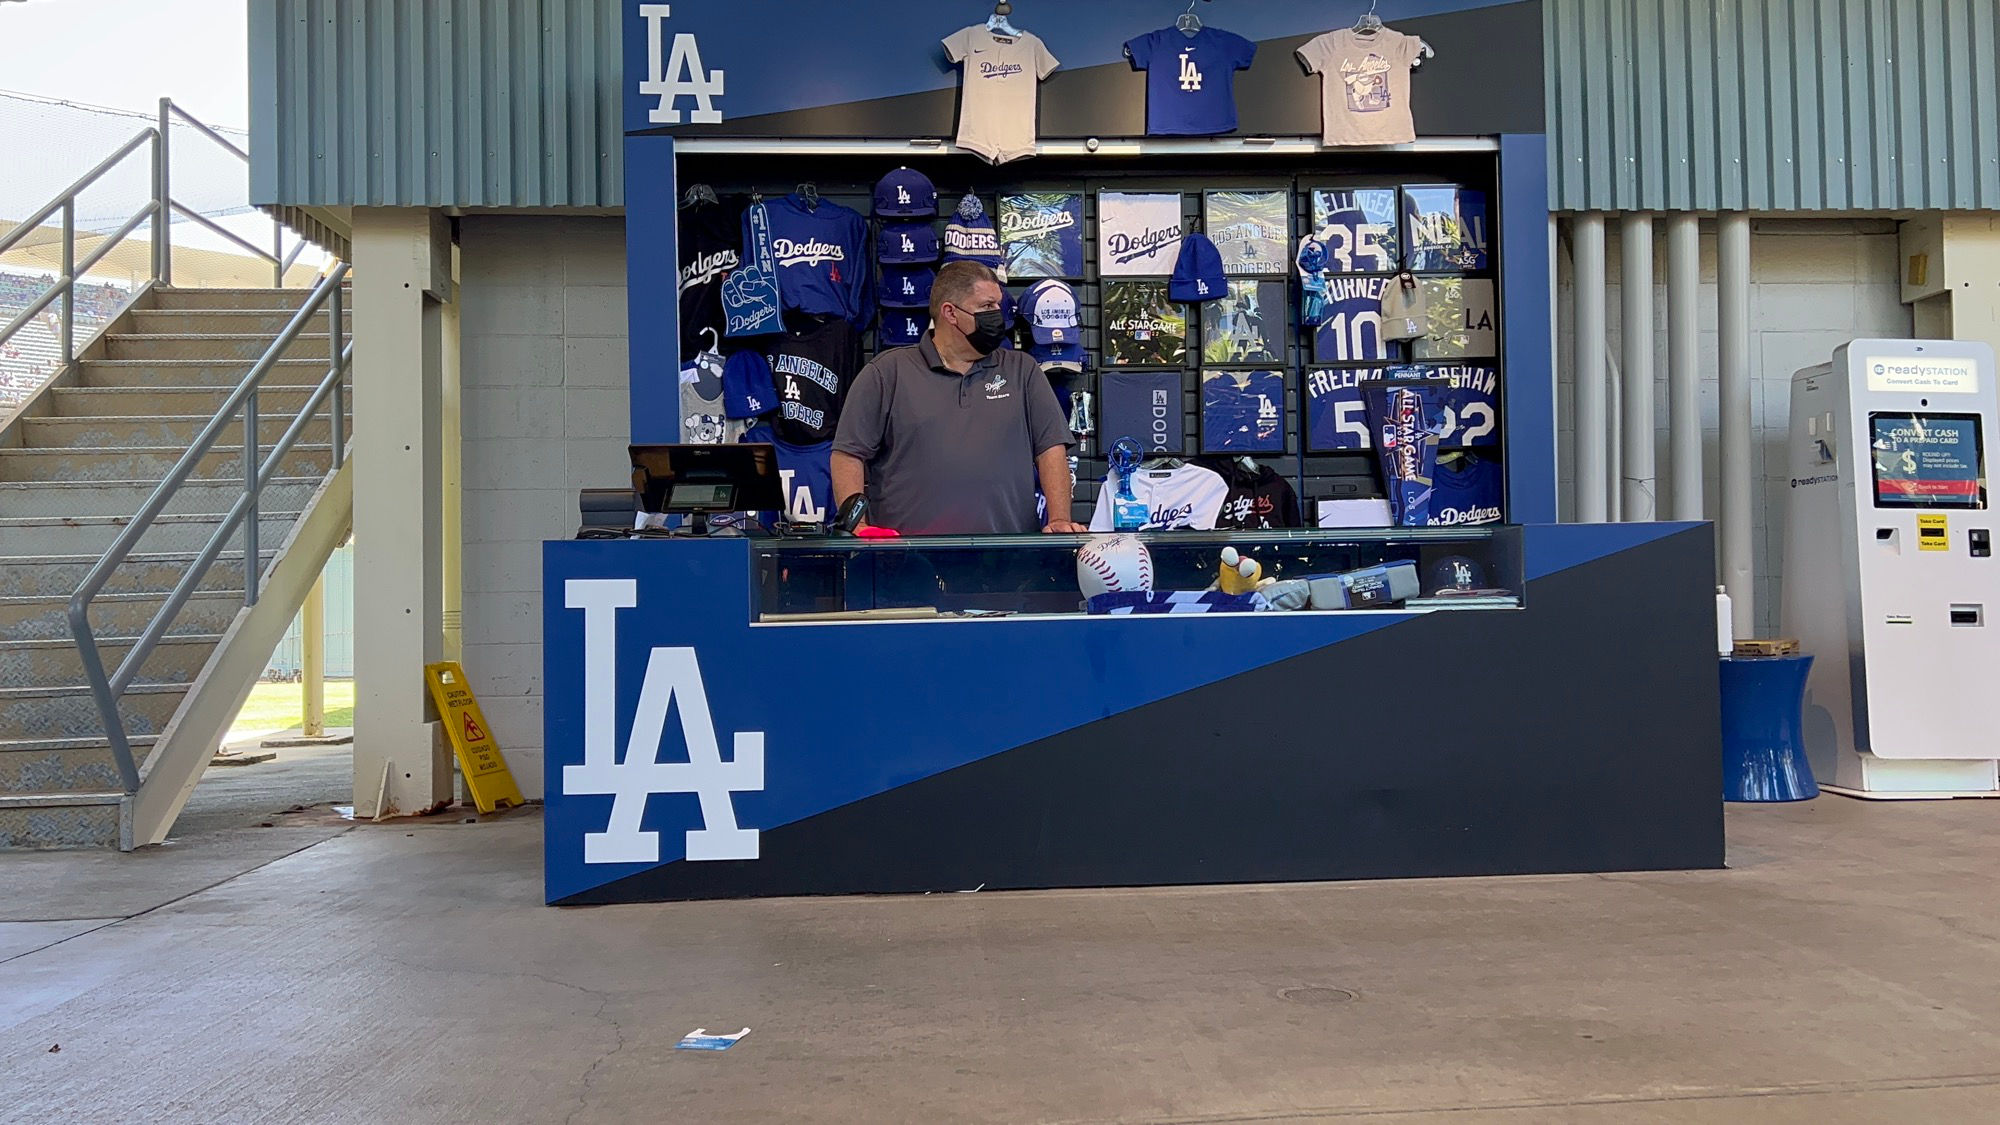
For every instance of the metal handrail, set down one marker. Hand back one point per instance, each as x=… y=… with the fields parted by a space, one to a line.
x=105 y=688
x=160 y=209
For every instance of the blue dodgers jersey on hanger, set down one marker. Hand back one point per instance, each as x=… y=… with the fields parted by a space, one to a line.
x=1190 y=80
x=1467 y=493
x=821 y=257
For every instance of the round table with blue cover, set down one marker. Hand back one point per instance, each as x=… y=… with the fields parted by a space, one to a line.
x=1763 y=744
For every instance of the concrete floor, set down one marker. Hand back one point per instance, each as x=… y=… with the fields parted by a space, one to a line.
x=1844 y=970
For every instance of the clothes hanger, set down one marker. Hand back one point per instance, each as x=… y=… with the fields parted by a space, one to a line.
x=699 y=193
x=998 y=23
x=1189 y=24
x=809 y=192
x=1369 y=23
x=1155 y=464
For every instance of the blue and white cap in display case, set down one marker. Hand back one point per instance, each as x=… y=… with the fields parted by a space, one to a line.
x=1054 y=324
x=905 y=194
x=748 y=390
x=907 y=288
x=1198 y=274
x=903 y=327
x=906 y=244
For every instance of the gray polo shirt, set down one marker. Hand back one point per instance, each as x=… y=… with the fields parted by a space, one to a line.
x=951 y=454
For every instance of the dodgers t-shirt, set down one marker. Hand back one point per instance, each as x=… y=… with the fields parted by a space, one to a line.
x=1190 y=80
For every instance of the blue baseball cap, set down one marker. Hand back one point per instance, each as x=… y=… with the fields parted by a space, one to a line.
x=906 y=244
x=904 y=288
x=1454 y=574
x=1198 y=274
x=905 y=194
x=903 y=328
x=747 y=387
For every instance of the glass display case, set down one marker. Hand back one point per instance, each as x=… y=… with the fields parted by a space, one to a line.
x=1014 y=576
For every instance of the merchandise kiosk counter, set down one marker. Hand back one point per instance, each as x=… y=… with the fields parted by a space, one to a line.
x=735 y=717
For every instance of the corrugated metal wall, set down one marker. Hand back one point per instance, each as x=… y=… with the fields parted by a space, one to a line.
x=1773 y=105
x=474 y=103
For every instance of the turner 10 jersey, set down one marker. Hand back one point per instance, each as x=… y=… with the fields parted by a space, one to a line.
x=1350 y=330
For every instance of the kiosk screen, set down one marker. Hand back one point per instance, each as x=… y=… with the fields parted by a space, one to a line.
x=1927 y=460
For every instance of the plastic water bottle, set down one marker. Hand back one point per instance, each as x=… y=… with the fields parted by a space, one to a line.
x=1725 y=623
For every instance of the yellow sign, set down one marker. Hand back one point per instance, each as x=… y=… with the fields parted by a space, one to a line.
x=486 y=774
x=1932 y=532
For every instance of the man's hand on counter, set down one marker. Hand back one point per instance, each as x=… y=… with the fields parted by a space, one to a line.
x=1064 y=527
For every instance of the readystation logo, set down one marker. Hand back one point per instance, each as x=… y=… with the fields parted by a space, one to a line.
x=1938 y=375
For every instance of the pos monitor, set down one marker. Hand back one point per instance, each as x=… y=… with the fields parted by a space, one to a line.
x=697 y=481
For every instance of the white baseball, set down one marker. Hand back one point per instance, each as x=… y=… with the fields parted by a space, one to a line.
x=1112 y=563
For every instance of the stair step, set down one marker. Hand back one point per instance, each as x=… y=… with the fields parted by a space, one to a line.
x=70 y=711
x=208 y=345
x=118 y=615
x=63 y=765
x=55 y=661
x=268 y=322
x=94 y=402
x=124 y=431
x=125 y=497
x=307 y=459
x=166 y=297
x=106 y=373
x=76 y=535
x=65 y=820
x=58 y=576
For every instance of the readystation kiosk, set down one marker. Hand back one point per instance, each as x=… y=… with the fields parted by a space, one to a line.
x=1889 y=578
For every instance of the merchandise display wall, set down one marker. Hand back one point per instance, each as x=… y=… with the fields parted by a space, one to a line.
x=1458 y=695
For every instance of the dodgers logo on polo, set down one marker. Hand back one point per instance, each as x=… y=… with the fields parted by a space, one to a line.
x=677 y=76
x=673 y=684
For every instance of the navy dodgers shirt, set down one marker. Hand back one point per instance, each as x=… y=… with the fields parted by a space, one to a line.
x=1190 y=80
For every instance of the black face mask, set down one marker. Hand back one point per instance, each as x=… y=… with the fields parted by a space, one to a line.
x=988 y=332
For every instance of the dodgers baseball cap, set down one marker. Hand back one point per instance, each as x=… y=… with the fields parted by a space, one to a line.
x=1454 y=574
x=905 y=194
x=1198 y=274
x=1053 y=323
x=904 y=327
x=907 y=288
x=747 y=387
x=906 y=244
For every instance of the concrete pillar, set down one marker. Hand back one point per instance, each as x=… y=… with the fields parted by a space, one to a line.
x=312 y=659
x=1635 y=290
x=1592 y=480
x=402 y=275
x=1738 y=571
x=1684 y=364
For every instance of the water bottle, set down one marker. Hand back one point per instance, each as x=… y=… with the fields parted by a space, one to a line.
x=1725 y=623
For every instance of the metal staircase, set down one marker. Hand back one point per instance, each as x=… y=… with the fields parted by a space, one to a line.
x=200 y=429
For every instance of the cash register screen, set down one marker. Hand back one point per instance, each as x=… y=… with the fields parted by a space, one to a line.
x=701 y=498
x=1927 y=460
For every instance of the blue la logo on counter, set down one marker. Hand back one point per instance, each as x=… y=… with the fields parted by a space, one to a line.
x=672 y=683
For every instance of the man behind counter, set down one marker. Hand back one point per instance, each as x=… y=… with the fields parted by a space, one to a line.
x=949 y=437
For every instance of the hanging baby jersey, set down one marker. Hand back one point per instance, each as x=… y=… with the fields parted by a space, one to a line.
x=1466 y=490
x=1190 y=79
x=811 y=367
x=710 y=237
x=1188 y=496
x=1001 y=85
x=1258 y=499
x=821 y=258
x=1364 y=85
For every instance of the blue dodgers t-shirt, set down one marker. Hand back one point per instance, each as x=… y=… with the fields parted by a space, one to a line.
x=1190 y=80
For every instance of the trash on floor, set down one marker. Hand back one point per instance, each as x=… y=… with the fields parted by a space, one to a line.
x=700 y=1040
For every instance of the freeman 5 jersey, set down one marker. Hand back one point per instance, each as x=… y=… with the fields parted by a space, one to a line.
x=822 y=259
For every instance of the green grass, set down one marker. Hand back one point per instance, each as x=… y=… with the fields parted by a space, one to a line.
x=276 y=707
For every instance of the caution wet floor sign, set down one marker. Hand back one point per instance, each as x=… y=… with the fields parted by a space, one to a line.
x=486 y=775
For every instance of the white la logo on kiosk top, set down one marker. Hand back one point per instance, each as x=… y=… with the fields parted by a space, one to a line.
x=670 y=672
x=679 y=75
